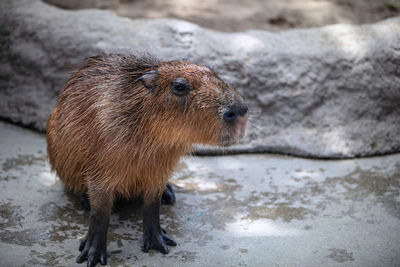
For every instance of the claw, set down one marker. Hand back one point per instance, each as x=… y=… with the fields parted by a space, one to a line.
x=83 y=243
x=159 y=242
x=93 y=258
x=103 y=260
x=82 y=257
x=163 y=249
x=91 y=253
x=169 y=241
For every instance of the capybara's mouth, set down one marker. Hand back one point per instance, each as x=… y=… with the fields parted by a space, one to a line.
x=234 y=132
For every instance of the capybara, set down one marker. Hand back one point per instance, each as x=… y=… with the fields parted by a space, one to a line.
x=121 y=124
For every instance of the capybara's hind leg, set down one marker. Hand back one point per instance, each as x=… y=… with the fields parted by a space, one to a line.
x=168 y=196
x=94 y=246
x=154 y=236
x=84 y=199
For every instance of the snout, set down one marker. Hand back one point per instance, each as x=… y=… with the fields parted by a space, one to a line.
x=235 y=118
x=235 y=112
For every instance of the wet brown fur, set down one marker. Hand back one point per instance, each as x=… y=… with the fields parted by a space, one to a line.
x=108 y=134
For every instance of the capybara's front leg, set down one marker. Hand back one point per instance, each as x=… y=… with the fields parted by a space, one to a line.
x=154 y=236
x=94 y=246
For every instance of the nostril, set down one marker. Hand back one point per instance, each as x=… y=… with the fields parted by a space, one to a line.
x=230 y=116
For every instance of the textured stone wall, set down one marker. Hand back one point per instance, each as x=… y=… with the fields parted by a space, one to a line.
x=323 y=92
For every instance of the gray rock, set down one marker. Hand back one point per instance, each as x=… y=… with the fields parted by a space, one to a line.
x=323 y=92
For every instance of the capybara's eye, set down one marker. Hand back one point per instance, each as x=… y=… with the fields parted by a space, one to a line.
x=180 y=86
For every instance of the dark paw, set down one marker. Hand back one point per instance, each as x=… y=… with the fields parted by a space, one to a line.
x=157 y=241
x=93 y=251
x=84 y=199
x=168 y=196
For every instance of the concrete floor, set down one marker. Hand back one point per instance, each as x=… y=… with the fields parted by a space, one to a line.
x=245 y=210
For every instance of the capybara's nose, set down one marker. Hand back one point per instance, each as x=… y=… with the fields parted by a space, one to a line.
x=234 y=112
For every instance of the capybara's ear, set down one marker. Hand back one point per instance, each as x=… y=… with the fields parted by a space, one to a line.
x=149 y=80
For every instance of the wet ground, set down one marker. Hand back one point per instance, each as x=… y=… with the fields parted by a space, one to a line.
x=245 y=210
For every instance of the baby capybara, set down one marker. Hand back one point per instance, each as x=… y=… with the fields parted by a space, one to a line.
x=121 y=124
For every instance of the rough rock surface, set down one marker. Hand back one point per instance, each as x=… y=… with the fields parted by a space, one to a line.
x=324 y=92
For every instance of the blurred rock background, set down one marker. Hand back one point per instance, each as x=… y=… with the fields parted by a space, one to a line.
x=327 y=92
x=237 y=15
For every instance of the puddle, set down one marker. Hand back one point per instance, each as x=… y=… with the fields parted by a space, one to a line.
x=185 y=256
x=22 y=161
x=10 y=216
x=50 y=258
x=360 y=184
x=28 y=237
x=7 y=178
x=340 y=255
